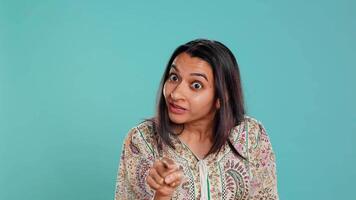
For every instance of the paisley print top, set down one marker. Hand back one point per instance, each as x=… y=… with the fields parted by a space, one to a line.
x=243 y=169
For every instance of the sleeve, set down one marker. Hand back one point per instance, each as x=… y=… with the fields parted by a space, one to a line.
x=135 y=161
x=262 y=165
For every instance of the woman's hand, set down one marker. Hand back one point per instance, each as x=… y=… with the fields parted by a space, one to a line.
x=164 y=177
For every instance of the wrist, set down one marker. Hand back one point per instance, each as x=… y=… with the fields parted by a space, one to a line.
x=160 y=197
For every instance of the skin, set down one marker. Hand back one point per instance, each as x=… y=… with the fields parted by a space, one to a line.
x=164 y=178
x=189 y=89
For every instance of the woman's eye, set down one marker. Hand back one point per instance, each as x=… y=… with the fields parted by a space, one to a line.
x=173 y=77
x=197 y=85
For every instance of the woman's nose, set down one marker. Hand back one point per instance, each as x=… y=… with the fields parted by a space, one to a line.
x=178 y=92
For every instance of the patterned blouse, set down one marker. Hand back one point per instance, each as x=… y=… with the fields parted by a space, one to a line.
x=243 y=169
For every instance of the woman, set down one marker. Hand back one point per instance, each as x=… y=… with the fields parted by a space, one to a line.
x=200 y=144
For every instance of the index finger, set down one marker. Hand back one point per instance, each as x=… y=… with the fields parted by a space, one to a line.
x=164 y=167
x=169 y=164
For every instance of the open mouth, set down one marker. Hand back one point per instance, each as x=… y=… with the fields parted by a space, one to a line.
x=176 y=109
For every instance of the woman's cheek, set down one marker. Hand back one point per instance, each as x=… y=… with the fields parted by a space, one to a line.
x=165 y=90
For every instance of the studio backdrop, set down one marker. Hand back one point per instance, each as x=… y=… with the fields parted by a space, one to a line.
x=75 y=76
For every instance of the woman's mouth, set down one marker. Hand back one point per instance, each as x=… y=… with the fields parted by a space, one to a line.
x=176 y=109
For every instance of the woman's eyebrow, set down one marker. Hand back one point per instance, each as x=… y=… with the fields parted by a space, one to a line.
x=192 y=74
x=199 y=74
x=174 y=67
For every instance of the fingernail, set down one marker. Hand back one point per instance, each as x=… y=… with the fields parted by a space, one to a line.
x=168 y=178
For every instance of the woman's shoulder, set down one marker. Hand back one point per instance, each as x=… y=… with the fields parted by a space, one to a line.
x=254 y=126
x=143 y=130
x=248 y=123
x=146 y=128
x=257 y=134
x=251 y=121
x=247 y=134
x=142 y=134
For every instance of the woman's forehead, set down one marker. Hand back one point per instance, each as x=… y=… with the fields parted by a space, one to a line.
x=184 y=63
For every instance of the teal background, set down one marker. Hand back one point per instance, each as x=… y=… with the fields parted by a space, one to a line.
x=75 y=76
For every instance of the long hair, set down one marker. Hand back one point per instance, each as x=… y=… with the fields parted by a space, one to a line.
x=228 y=90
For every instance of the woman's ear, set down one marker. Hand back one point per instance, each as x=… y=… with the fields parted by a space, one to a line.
x=217 y=104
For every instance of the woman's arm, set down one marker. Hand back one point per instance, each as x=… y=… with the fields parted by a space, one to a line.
x=136 y=159
x=262 y=164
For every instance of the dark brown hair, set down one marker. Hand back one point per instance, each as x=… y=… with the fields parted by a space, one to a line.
x=228 y=90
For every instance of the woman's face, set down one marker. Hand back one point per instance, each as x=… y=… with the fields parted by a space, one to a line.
x=189 y=90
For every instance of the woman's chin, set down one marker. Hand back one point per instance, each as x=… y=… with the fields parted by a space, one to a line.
x=177 y=119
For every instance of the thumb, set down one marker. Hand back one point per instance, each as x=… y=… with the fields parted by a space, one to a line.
x=169 y=163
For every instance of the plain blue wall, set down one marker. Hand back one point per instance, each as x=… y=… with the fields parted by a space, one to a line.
x=75 y=76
